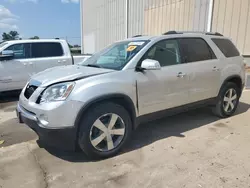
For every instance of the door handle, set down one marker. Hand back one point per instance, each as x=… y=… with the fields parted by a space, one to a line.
x=29 y=63
x=216 y=69
x=5 y=80
x=61 y=61
x=181 y=75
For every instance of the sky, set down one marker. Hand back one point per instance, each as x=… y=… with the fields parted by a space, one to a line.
x=43 y=18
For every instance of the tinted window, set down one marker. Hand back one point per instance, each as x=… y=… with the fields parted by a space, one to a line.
x=226 y=47
x=195 y=49
x=166 y=52
x=46 y=49
x=20 y=50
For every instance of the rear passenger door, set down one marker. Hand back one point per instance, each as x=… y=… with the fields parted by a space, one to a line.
x=47 y=54
x=203 y=68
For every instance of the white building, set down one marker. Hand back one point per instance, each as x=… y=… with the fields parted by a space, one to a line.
x=106 y=21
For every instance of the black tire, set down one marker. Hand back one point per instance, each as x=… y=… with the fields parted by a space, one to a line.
x=219 y=108
x=88 y=120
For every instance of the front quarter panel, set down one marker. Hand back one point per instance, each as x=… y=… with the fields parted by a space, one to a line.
x=118 y=82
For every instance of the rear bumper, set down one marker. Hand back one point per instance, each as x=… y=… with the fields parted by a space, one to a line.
x=63 y=139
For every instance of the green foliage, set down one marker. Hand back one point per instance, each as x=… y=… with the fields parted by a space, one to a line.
x=35 y=37
x=12 y=35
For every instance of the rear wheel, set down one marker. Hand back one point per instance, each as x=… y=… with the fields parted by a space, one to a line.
x=228 y=100
x=104 y=130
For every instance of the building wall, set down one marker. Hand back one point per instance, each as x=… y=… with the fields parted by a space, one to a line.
x=232 y=19
x=104 y=21
x=136 y=17
x=183 y=15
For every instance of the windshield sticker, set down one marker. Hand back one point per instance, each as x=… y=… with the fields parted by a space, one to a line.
x=136 y=43
x=131 y=48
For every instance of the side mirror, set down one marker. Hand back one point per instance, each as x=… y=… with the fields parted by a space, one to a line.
x=150 y=64
x=6 y=55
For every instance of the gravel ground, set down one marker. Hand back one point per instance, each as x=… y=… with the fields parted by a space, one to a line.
x=193 y=149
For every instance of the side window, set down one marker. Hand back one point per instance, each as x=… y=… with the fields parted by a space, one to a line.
x=166 y=52
x=226 y=47
x=195 y=49
x=46 y=49
x=21 y=51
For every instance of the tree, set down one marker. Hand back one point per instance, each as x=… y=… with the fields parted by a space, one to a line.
x=35 y=37
x=6 y=36
x=12 y=35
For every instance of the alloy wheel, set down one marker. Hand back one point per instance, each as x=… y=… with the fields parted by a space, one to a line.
x=230 y=100
x=107 y=132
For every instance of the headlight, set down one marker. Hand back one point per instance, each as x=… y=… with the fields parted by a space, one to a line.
x=58 y=92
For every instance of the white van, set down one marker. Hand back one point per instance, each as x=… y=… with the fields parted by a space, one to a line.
x=20 y=59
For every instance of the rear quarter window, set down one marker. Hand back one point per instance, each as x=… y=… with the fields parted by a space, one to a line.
x=226 y=47
x=46 y=49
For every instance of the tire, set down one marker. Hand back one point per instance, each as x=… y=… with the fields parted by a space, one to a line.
x=221 y=105
x=88 y=133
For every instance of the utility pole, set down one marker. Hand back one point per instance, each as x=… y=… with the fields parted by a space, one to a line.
x=126 y=18
x=210 y=15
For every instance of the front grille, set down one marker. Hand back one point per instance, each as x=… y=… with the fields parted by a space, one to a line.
x=30 y=89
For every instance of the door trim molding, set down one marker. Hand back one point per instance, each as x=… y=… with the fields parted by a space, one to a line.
x=174 y=111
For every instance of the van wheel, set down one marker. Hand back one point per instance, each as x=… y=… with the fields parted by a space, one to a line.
x=228 y=100
x=104 y=130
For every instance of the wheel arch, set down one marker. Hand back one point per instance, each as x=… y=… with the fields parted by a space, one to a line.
x=234 y=79
x=120 y=99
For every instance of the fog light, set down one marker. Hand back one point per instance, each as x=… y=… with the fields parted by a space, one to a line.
x=43 y=119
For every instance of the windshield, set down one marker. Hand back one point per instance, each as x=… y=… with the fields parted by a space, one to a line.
x=115 y=56
x=3 y=44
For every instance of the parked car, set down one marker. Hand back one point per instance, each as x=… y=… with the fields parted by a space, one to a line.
x=96 y=105
x=20 y=59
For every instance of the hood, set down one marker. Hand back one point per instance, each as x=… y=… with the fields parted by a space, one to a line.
x=66 y=73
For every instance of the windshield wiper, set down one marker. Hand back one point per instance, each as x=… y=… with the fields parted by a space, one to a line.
x=93 y=65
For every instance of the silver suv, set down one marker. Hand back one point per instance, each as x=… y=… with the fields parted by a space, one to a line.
x=96 y=105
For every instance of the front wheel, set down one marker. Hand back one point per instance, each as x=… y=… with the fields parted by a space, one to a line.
x=228 y=100
x=104 y=130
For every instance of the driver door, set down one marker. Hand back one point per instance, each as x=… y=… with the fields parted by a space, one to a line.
x=15 y=72
x=165 y=88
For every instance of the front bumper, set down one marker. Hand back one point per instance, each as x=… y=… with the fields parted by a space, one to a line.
x=63 y=138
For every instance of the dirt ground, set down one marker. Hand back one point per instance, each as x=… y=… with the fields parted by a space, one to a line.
x=193 y=149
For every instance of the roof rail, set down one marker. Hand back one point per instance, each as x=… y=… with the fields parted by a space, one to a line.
x=201 y=32
x=137 y=36
x=171 y=32
x=216 y=33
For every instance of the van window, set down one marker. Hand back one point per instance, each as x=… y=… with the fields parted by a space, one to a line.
x=21 y=51
x=46 y=49
x=195 y=49
x=226 y=47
